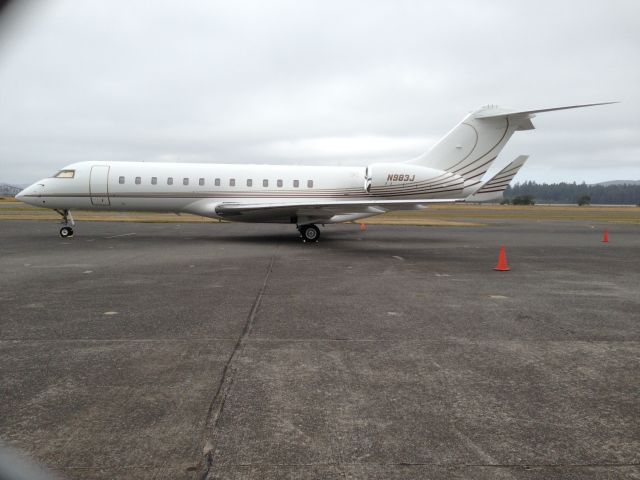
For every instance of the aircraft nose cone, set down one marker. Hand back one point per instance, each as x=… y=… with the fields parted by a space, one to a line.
x=26 y=195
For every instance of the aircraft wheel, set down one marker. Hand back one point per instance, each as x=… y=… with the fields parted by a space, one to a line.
x=310 y=233
x=66 y=232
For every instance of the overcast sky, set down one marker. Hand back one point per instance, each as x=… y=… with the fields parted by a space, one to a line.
x=306 y=82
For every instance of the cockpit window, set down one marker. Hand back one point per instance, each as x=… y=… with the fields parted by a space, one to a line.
x=65 y=174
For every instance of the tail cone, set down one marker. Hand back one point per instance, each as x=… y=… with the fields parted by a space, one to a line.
x=605 y=237
x=502 y=261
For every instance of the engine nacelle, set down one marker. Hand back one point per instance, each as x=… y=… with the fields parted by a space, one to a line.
x=384 y=178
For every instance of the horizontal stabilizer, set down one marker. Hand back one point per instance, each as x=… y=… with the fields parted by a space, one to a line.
x=494 y=188
x=492 y=111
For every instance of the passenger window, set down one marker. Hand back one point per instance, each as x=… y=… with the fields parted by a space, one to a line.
x=185 y=181
x=201 y=182
x=279 y=183
x=154 y=180
x=296 y=183
x=217 y=182
x=138 y=180
x=309 y=183
x=65 y=174
x=121 y=180
x=249 y=182
x=232 y=182
x=265 y=183
x=170 y=181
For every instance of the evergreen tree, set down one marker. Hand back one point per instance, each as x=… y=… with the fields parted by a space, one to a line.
x=570 y=193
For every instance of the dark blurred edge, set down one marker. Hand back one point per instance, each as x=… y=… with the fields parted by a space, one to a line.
x=16 y=466
x=12 y=465
x=11 y=11
x=4 y=7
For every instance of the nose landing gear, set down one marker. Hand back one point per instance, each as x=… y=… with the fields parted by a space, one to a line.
x=68 y=223
x=66 y=232
x=309 y=233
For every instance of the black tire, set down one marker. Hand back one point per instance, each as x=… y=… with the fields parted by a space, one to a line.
x=310 y=233
x=66 y=232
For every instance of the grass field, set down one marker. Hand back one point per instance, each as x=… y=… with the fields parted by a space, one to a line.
x=450 y=215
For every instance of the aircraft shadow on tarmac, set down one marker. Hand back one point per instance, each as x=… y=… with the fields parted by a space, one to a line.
x=416 y=247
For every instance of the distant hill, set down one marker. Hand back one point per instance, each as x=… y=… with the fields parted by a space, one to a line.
x=9 y=190
x=618 y=182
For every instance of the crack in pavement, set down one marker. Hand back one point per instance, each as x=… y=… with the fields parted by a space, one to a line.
x=217 y=403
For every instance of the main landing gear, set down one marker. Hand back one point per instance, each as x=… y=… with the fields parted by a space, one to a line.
x=67 y=223
x=309 y=233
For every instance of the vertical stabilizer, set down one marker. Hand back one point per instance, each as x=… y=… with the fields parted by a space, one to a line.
x=470 y=147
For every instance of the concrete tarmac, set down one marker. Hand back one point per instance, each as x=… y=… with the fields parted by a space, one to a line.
x=236 y=352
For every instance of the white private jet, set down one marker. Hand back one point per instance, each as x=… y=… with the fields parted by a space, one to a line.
x=302 y=195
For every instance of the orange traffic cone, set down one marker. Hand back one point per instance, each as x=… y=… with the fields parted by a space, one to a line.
x=363 y=227
x=605 y=237
x=502 y=261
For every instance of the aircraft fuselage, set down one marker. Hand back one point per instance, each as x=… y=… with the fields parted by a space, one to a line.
x=198 y=188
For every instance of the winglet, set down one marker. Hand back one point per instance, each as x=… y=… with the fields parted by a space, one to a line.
x=494 y=188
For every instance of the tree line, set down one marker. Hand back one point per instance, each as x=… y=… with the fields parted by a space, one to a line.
x=626 y=194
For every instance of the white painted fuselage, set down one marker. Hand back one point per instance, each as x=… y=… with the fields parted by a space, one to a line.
x=200 y=188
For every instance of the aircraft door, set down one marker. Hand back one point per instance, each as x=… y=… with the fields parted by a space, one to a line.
x=98 y=185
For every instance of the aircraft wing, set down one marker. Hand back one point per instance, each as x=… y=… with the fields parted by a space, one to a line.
x=318 y=211
x=496 y=185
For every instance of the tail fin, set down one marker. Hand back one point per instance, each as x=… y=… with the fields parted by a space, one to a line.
x=471 y=147
x=494 y=188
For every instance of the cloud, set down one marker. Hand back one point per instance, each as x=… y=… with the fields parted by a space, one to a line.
x=354 y=150
x=315 y=82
